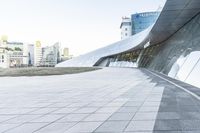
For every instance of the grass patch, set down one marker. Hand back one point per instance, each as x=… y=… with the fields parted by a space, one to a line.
x=43 y=71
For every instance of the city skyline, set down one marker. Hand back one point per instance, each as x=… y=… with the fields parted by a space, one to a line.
x=65 y=21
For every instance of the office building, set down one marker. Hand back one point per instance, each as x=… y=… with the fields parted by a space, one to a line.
x=57 y=46
x=126 y=28
x=30 y=53
x=51 y=55
x=66 y=55
x=141 y=21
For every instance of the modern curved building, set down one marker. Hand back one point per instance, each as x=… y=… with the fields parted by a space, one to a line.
x=170 y=46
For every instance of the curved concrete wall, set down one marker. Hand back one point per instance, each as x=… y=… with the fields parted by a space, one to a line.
x=179 y=56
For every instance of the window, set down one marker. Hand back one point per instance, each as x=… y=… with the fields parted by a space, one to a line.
x=126 y=29
x=2 y=57
x=126 y=34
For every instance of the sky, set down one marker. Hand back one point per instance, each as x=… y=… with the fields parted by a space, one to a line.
x=80 y=25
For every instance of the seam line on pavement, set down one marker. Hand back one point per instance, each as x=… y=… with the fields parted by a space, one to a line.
x=180 y=87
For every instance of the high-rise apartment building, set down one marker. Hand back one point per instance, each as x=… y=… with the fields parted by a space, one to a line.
x=37 y=53
x=66 y=52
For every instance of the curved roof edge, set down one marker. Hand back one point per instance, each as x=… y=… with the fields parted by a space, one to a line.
x=175 y=14
x=89 y=59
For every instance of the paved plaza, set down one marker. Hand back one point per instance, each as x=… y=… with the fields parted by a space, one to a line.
x=110 y=100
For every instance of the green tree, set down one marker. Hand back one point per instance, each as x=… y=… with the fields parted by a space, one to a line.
x=18 y=49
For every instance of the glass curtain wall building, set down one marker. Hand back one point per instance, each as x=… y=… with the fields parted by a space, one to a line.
x=142 y=21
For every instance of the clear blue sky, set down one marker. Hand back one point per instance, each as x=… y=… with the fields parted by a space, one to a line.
x=81 y=25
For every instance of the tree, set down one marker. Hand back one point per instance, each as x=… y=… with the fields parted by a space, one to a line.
x=18 y=49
